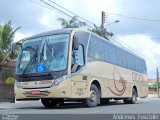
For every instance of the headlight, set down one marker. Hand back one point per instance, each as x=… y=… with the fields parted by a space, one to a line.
x=60 y=79
x=17 y=84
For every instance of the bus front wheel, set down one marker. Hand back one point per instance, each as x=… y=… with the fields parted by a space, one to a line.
x=49 y=103
x=94 y=98
x=133 y=99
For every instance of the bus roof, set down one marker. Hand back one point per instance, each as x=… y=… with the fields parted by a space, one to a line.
x=69 y=30
x=59 y=31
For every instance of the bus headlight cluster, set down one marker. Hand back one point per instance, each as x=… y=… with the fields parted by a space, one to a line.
x=17 y=84
x=59 y=80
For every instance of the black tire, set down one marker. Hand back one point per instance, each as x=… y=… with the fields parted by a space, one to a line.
x=94 y=99
x=133 y=99
x=126 y=101
x=49 y=103
x=104 y=101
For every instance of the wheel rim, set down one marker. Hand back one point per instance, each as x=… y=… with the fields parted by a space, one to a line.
x=93 y=96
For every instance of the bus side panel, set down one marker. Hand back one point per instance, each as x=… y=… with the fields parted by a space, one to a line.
x=143 y=89
x=115 y=81
x=79 y=87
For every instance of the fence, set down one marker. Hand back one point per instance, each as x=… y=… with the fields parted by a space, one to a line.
x=152 y=90
x=6 y=90
x=7 y=93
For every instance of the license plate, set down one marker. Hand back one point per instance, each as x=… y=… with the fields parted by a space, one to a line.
x=36 y=92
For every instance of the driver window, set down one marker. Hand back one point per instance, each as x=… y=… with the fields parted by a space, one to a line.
x=25 y=59
x=78 y=59
x=80 y=56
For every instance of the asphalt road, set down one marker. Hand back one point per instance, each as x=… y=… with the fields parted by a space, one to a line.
x=145 y=106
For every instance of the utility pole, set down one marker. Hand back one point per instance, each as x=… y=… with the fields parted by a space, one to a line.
x=158 y=83
x=102 y=24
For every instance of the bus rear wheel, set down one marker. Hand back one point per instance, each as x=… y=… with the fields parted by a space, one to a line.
x=133 y=99
x=49 y=103
x=94 y=98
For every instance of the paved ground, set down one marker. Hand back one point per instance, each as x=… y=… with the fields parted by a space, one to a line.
x=145 y=105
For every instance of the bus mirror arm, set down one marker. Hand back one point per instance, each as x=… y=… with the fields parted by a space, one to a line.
x=13 y=47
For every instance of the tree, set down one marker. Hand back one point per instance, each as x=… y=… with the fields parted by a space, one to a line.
x=152 y=86
x=72 y=23
x=6 y=39
x=98 y=30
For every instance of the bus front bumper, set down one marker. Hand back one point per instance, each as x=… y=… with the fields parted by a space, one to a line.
x=63 y=90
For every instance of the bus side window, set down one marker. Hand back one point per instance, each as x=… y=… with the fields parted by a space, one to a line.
x=81 y=55
x=95 y=49
x=78 y=59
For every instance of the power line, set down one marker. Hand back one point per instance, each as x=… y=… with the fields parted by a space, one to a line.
x=77 y=5
x=38 y=3
x=71 y=12
x=55 y=8
x=61 y=11
x=130 y=48
x=44 y=5
x=136 y=18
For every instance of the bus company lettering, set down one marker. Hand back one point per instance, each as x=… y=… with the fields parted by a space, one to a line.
x=45 y=82
x=25 y=83
x=137 y=77
x=37 y=83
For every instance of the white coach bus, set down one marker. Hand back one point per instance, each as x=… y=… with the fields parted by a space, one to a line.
x=76 y=64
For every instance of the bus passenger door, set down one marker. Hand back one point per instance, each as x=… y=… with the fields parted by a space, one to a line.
x=78 y=84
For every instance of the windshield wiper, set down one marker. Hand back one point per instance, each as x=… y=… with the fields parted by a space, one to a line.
x=41 y=56
x=50 y=48
x=32 y=61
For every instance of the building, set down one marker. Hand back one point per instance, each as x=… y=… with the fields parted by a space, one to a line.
x=152 y=86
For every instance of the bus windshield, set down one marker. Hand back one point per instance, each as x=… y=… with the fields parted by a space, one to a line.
x=43 y=54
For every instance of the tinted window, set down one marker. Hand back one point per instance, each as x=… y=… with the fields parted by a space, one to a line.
x=112 y=54
x=131 y=61
x=83 y=39
x=120 y=57
x=80 y=55
x=102 y=50
x=106 y=51
x=95 y=49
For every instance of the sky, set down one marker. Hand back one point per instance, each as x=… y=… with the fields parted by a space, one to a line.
x=141 y=35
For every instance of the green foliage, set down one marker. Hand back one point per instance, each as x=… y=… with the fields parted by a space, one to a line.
x=152 y=86
x=98 y=30
x=8 y=73
x=10 y=81
x=6 y=38
x=72 y=23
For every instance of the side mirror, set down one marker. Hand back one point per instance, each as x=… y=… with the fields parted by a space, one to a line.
x=13 y=47
x=75 y=43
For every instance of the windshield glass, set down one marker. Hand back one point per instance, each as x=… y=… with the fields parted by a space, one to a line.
x=43 y=54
